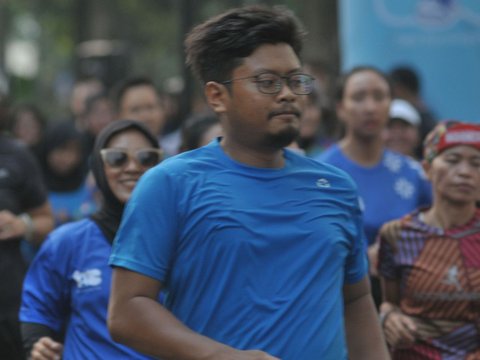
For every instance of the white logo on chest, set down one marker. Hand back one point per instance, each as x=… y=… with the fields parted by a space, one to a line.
x=87 y=278
x=451 y=278
x=323 y=183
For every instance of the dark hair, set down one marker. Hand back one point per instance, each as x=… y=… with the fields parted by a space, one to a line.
x=29 y=108
x=406 y=77
x=92 y=100
x=4 y=106
x=193 y=129
x=217 y=46
x=343 y=79
x=110 y=213
x=122 y=87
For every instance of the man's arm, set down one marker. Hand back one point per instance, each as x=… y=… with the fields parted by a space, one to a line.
x=136 y=319
x=33 y=225
x=364 y=336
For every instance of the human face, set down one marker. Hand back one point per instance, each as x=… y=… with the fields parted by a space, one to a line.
x=143 y=104
x=66 y=158
x=256 y=120
x=455 y=174
x=100 y=116
x=122 y=180
x=365 y=105
x=402 y=137
x=27 y=128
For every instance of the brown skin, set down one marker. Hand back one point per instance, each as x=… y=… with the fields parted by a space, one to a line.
x=248 y=116
x=251 y=120
x=402 y=137
x=364 y=336
x=364 y=111
x=455 y=176
x=142 y=103
x=122 y=182
x=46 y=349
x=11 y=225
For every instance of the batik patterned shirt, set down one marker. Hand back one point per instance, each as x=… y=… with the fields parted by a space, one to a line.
x=439 y=276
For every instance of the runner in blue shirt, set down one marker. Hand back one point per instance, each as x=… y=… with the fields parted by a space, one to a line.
x=390 y=184
x=260 y=251
x=68 y=283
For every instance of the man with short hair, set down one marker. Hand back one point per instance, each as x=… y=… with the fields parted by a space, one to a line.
x=260 y=251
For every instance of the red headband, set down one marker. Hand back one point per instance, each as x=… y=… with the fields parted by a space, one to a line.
x=450 y=133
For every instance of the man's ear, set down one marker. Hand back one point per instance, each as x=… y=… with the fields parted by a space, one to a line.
x=217 y=96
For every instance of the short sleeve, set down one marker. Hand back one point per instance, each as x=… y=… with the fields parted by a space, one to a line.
x=356 y=266
x=45 y=296
x=386 y=257
x=145 y=242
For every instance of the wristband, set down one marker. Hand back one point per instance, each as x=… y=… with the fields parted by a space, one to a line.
x=29 y=228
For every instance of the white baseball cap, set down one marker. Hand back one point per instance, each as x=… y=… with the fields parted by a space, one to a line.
x=401 y=109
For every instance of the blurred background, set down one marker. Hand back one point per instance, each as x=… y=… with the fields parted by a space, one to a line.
x=46 y=45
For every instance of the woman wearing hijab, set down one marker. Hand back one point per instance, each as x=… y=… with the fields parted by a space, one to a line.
x=429 y=260
x=67 y=287
x=61 y=156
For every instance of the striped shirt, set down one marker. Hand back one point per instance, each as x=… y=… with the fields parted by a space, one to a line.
x=439 y=275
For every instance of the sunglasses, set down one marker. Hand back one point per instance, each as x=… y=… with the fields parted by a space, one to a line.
x=117 y=158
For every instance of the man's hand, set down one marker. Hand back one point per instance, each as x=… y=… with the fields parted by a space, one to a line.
x=46 y=349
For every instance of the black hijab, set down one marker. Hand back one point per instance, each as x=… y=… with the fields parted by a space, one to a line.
x=56 y=137
x=110 y=213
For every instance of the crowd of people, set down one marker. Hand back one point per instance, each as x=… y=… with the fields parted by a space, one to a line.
x=283 y=223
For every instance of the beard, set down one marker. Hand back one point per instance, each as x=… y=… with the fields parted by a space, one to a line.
x=282 y=138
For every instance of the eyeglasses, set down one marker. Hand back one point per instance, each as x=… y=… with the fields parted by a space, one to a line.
x=268 y=83
x=117 y=158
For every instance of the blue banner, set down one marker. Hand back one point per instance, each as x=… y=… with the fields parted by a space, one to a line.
x=438 y=38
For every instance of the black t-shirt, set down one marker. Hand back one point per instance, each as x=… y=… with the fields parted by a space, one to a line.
x=21 y=189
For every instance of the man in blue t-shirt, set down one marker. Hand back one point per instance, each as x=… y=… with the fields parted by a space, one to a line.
x=260 y=251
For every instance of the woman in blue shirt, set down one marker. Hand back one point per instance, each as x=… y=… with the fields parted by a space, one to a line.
x=67 y=287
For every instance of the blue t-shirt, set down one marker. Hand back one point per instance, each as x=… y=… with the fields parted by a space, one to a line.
x=68 y=285
x=72 y=205
x=254 y=258
x=394 y=187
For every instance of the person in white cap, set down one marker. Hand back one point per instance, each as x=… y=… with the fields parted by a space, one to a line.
x=402 y=133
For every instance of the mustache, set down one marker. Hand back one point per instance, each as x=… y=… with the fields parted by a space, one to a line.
x=286 y=110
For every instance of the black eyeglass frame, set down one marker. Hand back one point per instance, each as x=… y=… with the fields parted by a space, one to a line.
x=279 y=83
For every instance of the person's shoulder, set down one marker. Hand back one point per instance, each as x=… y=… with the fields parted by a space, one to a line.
x=325 y=170
x=12 y=146
x=396 y=161
x=333 y=151
x=188 y=160
x=71 y=233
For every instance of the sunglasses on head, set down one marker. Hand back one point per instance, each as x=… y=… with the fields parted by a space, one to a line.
x=117 y=158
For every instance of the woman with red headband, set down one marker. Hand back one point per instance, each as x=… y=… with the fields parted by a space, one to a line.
x=429 y=260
